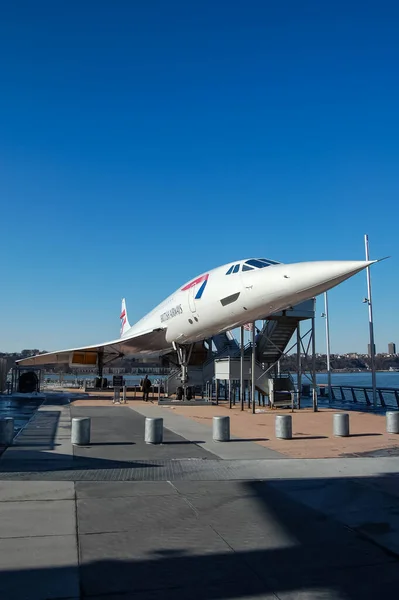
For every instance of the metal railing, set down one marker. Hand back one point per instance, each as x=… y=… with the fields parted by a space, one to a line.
x=363 y=394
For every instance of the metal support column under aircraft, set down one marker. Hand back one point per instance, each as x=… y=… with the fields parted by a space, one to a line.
x=183 y=356
x=253 y=369
x=298 y=364
x=242 y=389
x=314 y=386
x=100 y=363
x=306 y=363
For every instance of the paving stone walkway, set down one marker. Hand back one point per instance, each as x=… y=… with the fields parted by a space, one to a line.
x=193 y=522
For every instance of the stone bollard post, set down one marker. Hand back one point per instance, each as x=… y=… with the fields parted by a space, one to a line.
x=117 y=396
x=341 y=425
x=221 y=429
x=80 y=432
x=153 y=433
x=6 y=431
x=124 y=394
x=392 y=418
x=283 y=427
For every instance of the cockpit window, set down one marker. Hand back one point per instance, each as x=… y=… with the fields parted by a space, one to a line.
x=268 y=261
x=258 y=264
x=233 y=269
x=251 y=264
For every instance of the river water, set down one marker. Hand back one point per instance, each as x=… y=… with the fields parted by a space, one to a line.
x=384 y=378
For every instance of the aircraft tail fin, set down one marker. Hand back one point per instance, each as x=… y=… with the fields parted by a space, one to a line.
x=125 y=325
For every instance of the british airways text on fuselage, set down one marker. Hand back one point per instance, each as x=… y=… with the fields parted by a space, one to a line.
x=173 y=312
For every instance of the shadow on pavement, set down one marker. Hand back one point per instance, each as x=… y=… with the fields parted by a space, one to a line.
x=364 y=434
x=301 y=437
x=188 y=442
x=233 y=440
x=109 y=444
x=254 y=543
x=44 y=462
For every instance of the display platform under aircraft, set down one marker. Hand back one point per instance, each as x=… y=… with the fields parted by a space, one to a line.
x=214 y=302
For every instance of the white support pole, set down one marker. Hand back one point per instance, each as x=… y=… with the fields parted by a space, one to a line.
x=253 y=369
x=242 y=391
x=299 y=362
x=314 y=385
x=371 y=324
x=328 y=345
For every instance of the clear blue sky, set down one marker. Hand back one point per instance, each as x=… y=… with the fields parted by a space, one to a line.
x=142 y=143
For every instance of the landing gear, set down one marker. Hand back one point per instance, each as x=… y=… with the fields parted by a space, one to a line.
x=183 y=356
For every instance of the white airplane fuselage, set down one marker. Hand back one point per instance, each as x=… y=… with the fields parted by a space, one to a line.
x=214 y=302
x=237 y=293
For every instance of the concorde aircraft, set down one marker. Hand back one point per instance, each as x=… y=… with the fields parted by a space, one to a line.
x=216 y=301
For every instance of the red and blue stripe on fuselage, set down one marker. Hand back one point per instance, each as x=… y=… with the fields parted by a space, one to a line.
x=202 y=279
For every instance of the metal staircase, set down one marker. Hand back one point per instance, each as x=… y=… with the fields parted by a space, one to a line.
x=274 y=338
x=271 y=343
x=225 y=343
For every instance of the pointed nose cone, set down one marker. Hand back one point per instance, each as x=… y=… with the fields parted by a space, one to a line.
x=317 y=277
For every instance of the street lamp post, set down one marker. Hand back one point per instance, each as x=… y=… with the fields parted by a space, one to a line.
x=368 y=300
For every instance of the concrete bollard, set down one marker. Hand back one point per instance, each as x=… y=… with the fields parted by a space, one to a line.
x=124 y=394
x=80 y=432
x=341 y=425
x=283 y=427
x=6 y=431
x=392 y=417
x=221 y=429
x=153 y=433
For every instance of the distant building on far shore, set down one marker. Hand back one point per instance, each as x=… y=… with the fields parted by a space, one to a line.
x=391 y=348
x=369 y=349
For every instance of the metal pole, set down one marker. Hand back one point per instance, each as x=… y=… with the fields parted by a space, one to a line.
x=314 y=365
x=328 y=345
x=253 y=369
x=242 y=391
x=371 y=325
x=299 y=362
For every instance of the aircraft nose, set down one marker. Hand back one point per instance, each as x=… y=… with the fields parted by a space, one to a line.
x=320 y=276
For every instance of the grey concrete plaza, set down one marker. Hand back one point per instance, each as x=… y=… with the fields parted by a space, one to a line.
x=189 y=519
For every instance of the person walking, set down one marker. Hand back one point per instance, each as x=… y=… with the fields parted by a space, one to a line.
x=145 y=386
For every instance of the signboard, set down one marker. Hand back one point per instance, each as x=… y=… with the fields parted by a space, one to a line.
x=117 y=380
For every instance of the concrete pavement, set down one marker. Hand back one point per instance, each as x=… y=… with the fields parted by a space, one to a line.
x=223 y=521
x=38 y=541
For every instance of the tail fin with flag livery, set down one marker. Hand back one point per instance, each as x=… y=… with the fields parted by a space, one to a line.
x=125 y=325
